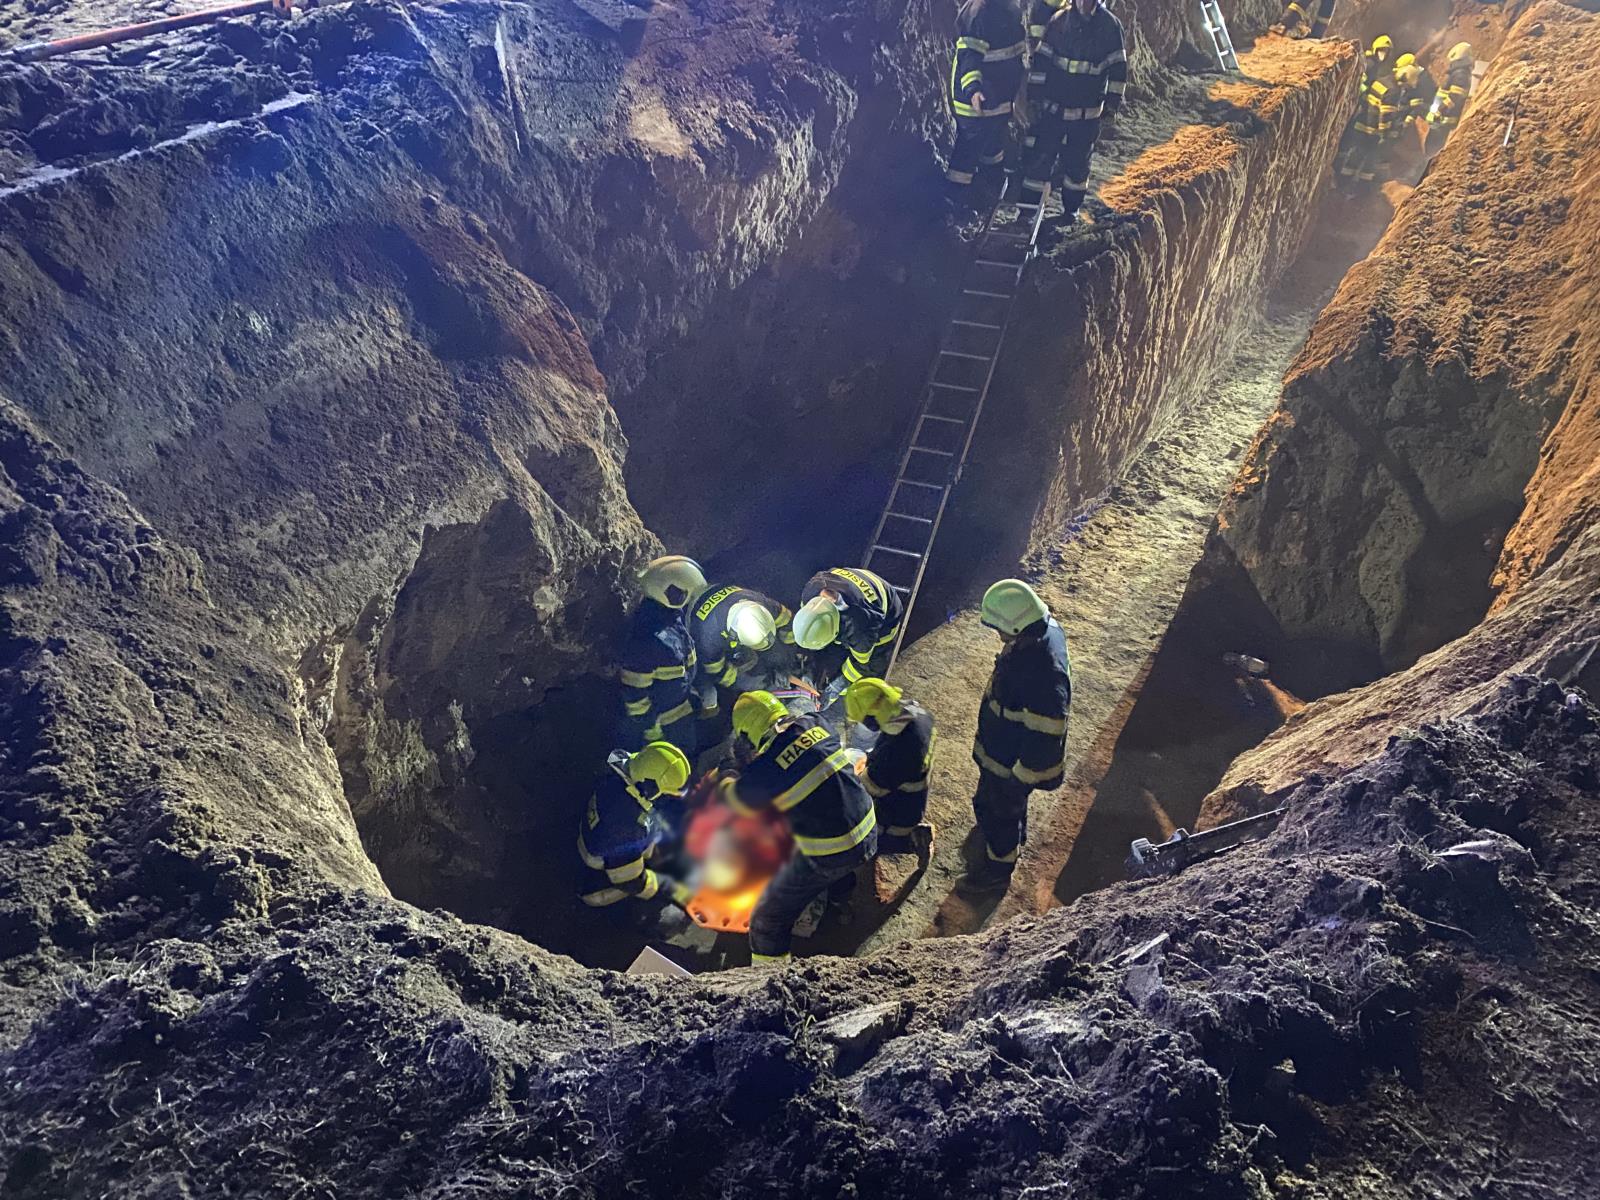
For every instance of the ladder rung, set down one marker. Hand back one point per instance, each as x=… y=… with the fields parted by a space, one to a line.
x=908 y=517
x=991 y=295
x=964 y=354
x=894 y=550
x=928 y=450
x=953 y=387
x=973 y=324
x=946 y=420
x=932 y=487
x=994 y=262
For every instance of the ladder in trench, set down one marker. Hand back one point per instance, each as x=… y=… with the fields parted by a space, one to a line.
x=1211 y=15
x=931 y=463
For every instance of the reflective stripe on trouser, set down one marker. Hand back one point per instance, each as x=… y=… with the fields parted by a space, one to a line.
x=1001 y=806
x=899 y=812
x=980 y=141
x=801 y=880
x=1061 y=153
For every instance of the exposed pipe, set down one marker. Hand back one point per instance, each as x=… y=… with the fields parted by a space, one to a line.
x=34 y=51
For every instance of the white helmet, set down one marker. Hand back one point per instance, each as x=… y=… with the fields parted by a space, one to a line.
x=752 y=626
x=672 y=580
x=816 y=624
x=1011 y=606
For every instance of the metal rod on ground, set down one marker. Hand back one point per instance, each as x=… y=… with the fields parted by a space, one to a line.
x=1512 y=123
x=34 y=51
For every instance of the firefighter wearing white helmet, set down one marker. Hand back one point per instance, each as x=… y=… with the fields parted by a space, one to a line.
x=624 y=825
x=899 y=761
x=658 y=664
x=797 y=766
x=852 y=608
x=1022 y=723
x=744 y=640
x=1450 y=101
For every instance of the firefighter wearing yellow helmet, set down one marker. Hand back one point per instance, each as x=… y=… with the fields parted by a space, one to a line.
x=1416 y=94
x=1022 y=723
x=658 y=662
x=848 y=618
x=744 y=640
x=624 y=825
x=1450 y=100
x=1300 y=21
x=795 y=765
x=898 y=762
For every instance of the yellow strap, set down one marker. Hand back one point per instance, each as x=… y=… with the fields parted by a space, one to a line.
x=992 y=765
x=637 y=679
x=1038 y=777
x=826 y=769
x=652 y=884
x=624 y=873
x=821 y=847
x=676 y=713
x=1001 y=858
x=873 y=788
x=677 y=672
x=971 y=43
x=970 y=78
x=1015 y=50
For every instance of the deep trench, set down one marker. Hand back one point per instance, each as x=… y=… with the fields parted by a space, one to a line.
x=1189 y=720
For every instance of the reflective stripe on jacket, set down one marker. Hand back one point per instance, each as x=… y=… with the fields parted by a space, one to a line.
x=871 y=616
x=619 y=830
x=988 y=57
x=657 y=670
x=1082 y=63
x=899 y=762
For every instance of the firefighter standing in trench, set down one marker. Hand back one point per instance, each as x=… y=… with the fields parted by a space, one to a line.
x=1298 y=21
x=1077 y=78
x=985 y=73
x=1416 y=89
x=854 y=613
x=1450 y=101
x=797 y=766
x=1022 y=725
x=1378 y=109
x=658 y=660
x=627 y=821
x=897 y=764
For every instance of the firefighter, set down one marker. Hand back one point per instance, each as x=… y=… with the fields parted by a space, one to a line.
x=1366 y=147
x=897 y=764
x=1450 y=101
x=985 y=73
x=1375 y=61
x=1039 y=14
x=744 y=640
x=1081 y=71
x=854 y=608
x=624 y=825
x=1299 y=22
x=658 y=657
x=1022 y=723
x=796 y=766
x=1416 y=89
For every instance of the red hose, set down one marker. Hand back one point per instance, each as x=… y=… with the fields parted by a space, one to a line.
x=35 y=51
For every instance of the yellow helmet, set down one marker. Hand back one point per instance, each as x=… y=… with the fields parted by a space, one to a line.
x=1461 y=50
x=661 y=764
x=755 y=717
x=871 y=697
x=1011 y=606
x=1382 y=43
x=672 y=580
x=817 y=623
x=1409 y=73
x=751 y=625
x=1404 y=61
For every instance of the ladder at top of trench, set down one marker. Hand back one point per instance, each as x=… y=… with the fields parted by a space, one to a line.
x=1211 y=15
x=930 y=466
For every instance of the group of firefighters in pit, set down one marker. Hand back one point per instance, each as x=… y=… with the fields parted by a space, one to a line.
x=693 y=648
x=1071 y=54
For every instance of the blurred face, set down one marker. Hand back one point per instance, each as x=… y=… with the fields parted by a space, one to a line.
x=1086 y=7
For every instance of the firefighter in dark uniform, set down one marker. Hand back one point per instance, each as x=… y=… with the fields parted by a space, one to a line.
x=1039 y=14
x=985 y=73
x=855 y=609
x=625 y=824
x=1022 y=725
x=1379 y=110
x=1450 y=101
x=1375 y=61
x=658 y=658
x=1299 y=21
x=897 y=764
x=1416 y=89
x=1081 y=71
x=744 y=641
x=796 y=765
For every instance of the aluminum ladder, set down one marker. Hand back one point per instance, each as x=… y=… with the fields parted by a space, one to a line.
x=930 y=466
x=1211 y=16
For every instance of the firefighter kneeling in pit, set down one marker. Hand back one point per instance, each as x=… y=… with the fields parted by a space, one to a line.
x=797 y=766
